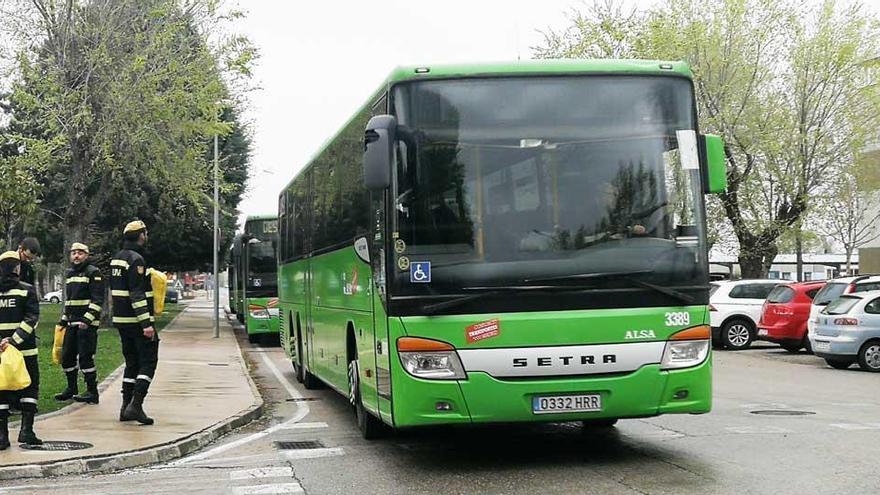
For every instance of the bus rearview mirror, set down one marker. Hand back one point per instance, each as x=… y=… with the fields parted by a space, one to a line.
x=716 y=164
x=378 y=151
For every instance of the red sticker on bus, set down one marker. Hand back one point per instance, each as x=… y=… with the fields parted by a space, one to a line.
x=482 y=331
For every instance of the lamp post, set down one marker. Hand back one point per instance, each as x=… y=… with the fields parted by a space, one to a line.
x=216 y=241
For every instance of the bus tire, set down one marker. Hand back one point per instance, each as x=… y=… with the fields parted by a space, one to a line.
x=254 y=338
x=599 y=423
x=370 y=426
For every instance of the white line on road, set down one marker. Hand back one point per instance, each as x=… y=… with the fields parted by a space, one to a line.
x=313 y=453
x=305 y=426
x=268 y=489
x=756 y=429
x=856 y=426
x=266 y=472
x=302 y=410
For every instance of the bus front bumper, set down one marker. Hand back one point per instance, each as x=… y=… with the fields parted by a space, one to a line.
x=481 y=398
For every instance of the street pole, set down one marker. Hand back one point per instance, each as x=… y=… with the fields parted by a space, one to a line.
x=216 y=244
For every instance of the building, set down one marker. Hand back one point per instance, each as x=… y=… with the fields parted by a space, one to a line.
x=784 y=267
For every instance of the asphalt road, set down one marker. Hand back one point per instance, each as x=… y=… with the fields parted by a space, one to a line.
x=833 y=447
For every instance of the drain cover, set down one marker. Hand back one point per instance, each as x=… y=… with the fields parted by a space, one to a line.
x=782 y=412
x=57 y=446
x=309 y=444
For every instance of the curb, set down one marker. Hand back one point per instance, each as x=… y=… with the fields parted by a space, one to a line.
x=152 y=455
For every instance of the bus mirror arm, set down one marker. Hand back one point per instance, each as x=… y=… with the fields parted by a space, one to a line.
x=378 y=151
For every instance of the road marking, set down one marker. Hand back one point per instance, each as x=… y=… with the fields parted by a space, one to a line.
x=264 y=472
x=746 y=430
x=302 y=410
x=856 y=426
x=268 y=489
x=304 y=426
x=313 y=453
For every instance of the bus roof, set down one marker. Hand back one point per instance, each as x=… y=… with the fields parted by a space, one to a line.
x=514 y=68
x=265 y=216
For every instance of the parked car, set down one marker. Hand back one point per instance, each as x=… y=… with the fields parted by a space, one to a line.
x=836 y=288
x=848 y=331
x=785 y=313
x=734 y=310
x=53 y=297
x=172 y=295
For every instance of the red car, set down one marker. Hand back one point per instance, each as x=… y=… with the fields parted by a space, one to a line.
x=785 y=314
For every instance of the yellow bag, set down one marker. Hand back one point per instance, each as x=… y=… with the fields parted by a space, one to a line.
x=13 y=373
x=58 y=343
x=159 y=282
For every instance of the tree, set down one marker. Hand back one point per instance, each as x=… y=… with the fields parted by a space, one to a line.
x=852 y=216
x=784 y=84
x=131 y=90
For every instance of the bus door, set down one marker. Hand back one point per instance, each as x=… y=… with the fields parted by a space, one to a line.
x=380 y=316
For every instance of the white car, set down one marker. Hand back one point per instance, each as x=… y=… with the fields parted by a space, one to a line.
x=53 y=297
x=836 y=288
x=735 y=309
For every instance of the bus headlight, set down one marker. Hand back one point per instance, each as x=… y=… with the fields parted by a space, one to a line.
x=686 y=348
x=430 y=359
x=258 y=312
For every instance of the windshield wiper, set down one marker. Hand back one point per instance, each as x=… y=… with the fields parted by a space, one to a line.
x=625 y=275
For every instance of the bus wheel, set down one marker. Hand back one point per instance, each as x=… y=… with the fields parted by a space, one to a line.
x=371 y=427
x=254 y=338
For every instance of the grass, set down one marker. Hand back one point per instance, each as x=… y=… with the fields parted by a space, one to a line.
x=107 y=358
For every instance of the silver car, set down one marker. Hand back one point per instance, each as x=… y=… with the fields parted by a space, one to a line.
x=848 y=330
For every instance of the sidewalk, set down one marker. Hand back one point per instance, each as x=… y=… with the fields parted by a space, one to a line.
x=201 y=391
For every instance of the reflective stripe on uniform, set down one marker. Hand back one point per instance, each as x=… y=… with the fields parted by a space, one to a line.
x=129 y=380
x=90 y=317
x=15 y=292
x=30 y=352
x=145 y=377
x=121 y=263
x=78 y=302
x=27 y=328
x=149 y=294
x=143 y=317
x=78 y=279
x=96 y=323
x=124 y=319
x=9 y=326
x=95 y=307
x=17 y=338
x=29 y=400
x=97 y=279
x=4 y=407
x=68 y=370
x=89 y=370
x=120 y=293
x=139 y=304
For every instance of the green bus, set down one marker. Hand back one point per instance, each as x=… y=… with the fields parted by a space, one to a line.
x=507 y=242
x=252 y=275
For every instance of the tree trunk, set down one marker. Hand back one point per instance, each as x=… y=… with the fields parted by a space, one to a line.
x=755 y=260
x=799 y=252
x=849 y=252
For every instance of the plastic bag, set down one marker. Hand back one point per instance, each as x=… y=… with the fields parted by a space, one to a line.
x=159 y=282
x=13 y=373
x=58 y=343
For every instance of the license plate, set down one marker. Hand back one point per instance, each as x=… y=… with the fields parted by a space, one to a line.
x=823 y=346
x=550 y=404
x=763 y=331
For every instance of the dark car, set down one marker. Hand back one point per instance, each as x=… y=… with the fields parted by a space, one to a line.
x=171 y=295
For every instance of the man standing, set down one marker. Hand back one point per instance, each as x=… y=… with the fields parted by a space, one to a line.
x=82 y=316
x=28 y=250
x=133 y=317
x=19 y=313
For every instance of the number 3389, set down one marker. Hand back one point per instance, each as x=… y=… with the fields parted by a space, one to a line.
x=678 y=319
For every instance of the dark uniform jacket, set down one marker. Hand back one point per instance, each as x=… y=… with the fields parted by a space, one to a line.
x=85 y=295
x=28 y=274
x=19 y=313
x=131 y=288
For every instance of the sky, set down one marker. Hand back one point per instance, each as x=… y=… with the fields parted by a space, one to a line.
x=320 y=61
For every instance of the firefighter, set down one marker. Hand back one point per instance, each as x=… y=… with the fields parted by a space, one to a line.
x=133 y=317
x=81 y=316
x=28 y=250
x=19 y=313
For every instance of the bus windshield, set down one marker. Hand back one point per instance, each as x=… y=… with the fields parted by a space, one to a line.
x=261 y=248
x=525 y=180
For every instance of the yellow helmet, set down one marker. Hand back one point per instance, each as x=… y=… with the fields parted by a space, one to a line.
x=78 y=246
x=134 y=226
x=10 y=255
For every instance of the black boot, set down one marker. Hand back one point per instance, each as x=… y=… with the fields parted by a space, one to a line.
x=135 y=410
x=71 y=389
x=4 y=433
x=91 y=395
x=126 y=400
x=26 y=435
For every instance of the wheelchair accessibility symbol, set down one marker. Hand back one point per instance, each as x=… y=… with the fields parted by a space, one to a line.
x=420 y=272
